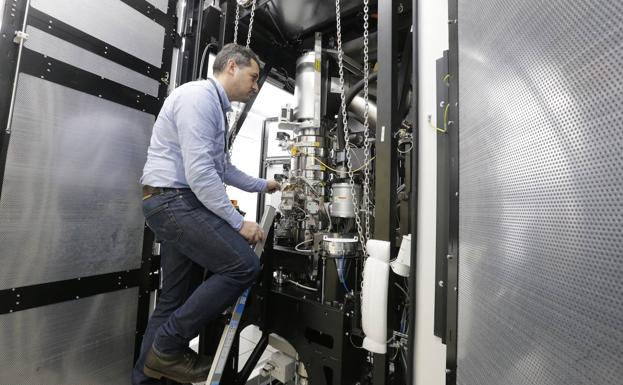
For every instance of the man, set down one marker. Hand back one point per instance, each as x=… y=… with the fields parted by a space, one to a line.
x=186 y=206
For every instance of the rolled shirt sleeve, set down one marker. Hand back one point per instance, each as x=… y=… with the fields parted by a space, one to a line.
x=201 y=141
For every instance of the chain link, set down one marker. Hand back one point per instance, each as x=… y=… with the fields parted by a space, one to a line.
x=251 y=23
x=236 y=113
x=236 y=23
x=351 y=175
x=366 y=124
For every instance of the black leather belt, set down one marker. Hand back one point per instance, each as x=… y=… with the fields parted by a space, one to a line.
x=149 y=191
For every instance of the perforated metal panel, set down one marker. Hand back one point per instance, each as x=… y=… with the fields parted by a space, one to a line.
x=112 y=21
x=87 y=341
x=70 y=204
x=59 y=49
x=541 y=192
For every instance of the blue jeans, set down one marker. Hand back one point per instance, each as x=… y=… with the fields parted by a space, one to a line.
x=191 y=235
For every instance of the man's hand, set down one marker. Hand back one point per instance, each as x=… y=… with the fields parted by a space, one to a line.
x=252 y=232
x=272 y=186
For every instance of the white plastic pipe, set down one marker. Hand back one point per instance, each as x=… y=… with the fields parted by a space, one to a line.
x=401 y=265
x=374 y=296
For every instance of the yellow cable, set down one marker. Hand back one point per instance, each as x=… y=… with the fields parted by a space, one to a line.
x=446 y=79
x=445 y=121
x=322 y=163
x=445 y=117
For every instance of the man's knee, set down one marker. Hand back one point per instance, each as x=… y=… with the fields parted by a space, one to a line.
x=253 y=268
x=249 y=269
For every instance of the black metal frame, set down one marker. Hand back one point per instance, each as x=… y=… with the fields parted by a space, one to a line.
x=321 y=336
x=443 y=184
x=78 y=38
x=191 y=34
x=415 y=116
x=28 y=297
x=36 y=64
x=453 y=228
x=386 y=157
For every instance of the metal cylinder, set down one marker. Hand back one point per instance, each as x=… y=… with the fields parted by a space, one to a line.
x=342 y=200
x=305 y=92
x=310 y=154
x=358 y=106
x=340 y=245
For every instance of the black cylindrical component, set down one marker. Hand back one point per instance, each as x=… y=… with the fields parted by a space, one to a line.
x=350 y=95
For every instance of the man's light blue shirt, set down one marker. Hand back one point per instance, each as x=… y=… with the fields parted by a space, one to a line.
x=187 y=149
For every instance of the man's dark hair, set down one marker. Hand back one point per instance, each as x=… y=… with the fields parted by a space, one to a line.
x=241 y=55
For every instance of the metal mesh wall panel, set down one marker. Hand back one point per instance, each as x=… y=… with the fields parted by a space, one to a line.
x=59 y=49
x=111 y=21
x=70 y=204
x=541 y=187
x=87 y=341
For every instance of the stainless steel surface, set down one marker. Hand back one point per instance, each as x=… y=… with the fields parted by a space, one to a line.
x=78 y=57
x=342 y=200
x=357 y=107
x=298 y=16
x=340 y=245
x=112 y=21
x=71 y=200
x=86 y=341
x=541 y=132
x=160 y=4
x=308 y=104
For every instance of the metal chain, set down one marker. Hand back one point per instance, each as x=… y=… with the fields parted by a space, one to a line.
x=351 y=174
x=236 y=23
x=366 y=125
x=234 y=120
x=251 y=23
